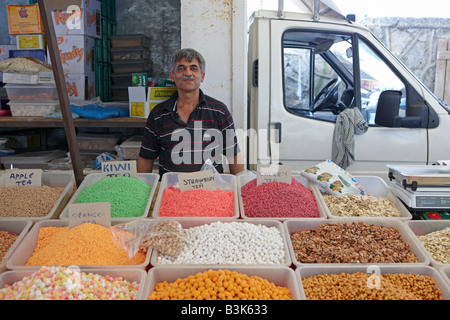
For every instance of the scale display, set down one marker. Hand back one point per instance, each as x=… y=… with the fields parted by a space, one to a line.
x=432 y=201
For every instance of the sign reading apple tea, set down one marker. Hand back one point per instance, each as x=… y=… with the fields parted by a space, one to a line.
x=23 y=177
x=119 y=169
x=197 y=180
x=93 y=212
x=273 y=173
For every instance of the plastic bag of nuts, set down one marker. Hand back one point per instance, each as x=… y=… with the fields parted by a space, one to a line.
x=166 y=236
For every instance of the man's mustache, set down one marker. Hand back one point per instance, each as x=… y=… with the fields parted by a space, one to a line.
x=187 y=78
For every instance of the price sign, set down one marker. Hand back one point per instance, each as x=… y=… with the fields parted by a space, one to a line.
x=197 y=180
x=23 y=177
x=273 y=173
x=95 y=212
x=119 y=169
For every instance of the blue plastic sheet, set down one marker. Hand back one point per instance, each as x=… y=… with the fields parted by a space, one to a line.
x=95 y=111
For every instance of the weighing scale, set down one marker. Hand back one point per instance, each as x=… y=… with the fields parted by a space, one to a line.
x=423 y=188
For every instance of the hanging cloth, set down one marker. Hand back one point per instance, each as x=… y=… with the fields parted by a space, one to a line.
x=348 y=123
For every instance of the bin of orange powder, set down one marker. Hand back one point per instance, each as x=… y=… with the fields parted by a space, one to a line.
x=52 y=242
x=221 y=203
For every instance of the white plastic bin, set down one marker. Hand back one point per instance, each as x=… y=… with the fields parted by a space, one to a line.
x=423 y=227
x=225 y=182
x=243 y=179
x=22 y=254
x=194 y=222
x=56 y=179
x=445 y=271
x=19 y=227
x=129 y=274
x=292 y=226
x=377 y=187
x=149 y=178
x=307 y=271
x=280 y=276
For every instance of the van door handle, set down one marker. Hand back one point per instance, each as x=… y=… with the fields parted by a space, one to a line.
x=276 y=126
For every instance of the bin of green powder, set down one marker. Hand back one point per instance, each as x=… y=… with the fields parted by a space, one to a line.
x=130 y=198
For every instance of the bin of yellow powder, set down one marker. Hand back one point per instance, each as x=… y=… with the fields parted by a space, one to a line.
x=37 y=203
x=52 y=242
x=130 y=198
x=15 y=230
x=242 y=282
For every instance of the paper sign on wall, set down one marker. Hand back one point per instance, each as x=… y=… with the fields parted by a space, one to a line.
x=94 y=212
x=273 y=173
x=119 y=169
x=197 y=180
x=23 y=177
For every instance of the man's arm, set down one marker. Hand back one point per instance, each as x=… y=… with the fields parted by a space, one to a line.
x=236 y=164
x=144 y=165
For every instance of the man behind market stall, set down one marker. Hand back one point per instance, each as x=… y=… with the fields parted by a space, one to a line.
x=190 y=127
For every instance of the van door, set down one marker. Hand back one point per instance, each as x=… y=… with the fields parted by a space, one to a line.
x=315 y=74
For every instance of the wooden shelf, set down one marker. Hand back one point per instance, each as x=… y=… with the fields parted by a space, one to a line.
x=41 y=122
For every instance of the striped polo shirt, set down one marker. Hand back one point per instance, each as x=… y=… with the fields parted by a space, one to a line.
x=184 y=147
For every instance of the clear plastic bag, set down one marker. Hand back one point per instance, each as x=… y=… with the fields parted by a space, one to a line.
x=166 y=236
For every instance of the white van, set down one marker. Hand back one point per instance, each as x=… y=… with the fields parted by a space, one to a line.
x=304 y=72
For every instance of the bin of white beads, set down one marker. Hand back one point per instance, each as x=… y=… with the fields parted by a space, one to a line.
x=151 y=179
x=373 y=186
x=53 y=179
x=82 y=288
x=376 y=270
x=245 y=178
x=238 y=242
x=279 y=276
x=431 y=236
x=14 y=226
x=224 y=182
x=292 y=226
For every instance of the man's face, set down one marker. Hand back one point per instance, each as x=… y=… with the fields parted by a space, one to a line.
x=187 y=75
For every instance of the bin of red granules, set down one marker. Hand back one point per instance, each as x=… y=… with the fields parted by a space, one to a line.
x=12 y=232
x=279 y=200
x=219 y=204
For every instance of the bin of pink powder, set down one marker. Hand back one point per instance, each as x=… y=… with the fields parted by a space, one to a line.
x=221 y=203
x=279 y=200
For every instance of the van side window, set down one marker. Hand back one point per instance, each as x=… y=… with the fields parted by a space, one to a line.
x=319 y=80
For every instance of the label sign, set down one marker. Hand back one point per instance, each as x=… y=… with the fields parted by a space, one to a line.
x=197 y=180
x=119 y=169
x=94 y=212
x=23 y=177
x=273 y=173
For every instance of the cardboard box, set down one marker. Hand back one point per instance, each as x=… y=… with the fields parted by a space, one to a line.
x=76 y=53
x=22 y=140
x=23 y=19
x=85 y=22
x=30 y=41
x=140 y=105
x=80 y=86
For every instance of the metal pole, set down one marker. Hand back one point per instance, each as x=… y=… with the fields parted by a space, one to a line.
x=46 y=7
x=281 y=9
x=316 y=10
